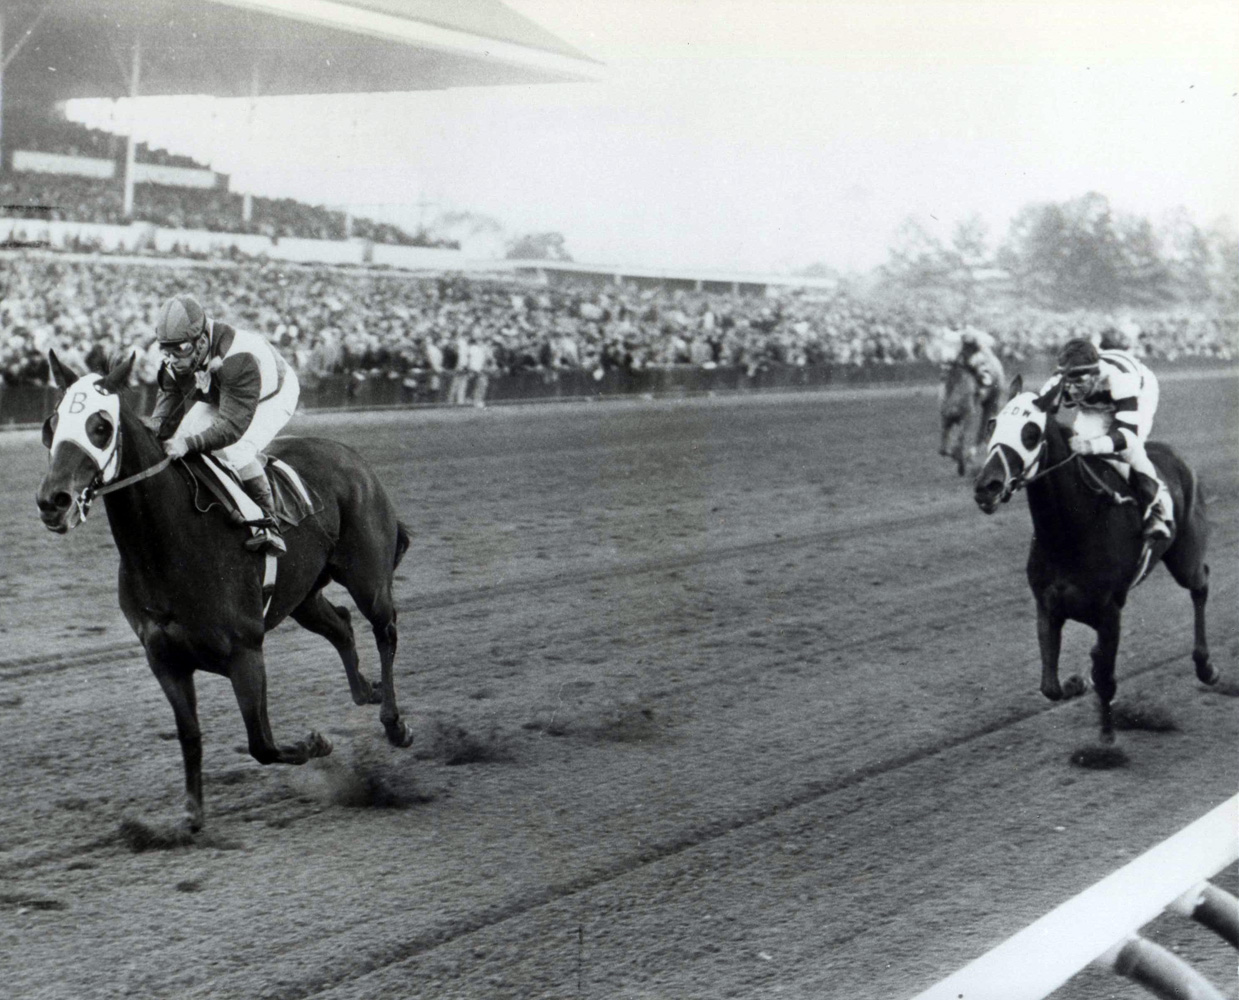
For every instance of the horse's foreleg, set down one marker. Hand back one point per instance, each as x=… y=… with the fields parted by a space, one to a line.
x=944 y=445
x=249 y=682
x=1050 y=642
x=178 y=686
x=1104 y=654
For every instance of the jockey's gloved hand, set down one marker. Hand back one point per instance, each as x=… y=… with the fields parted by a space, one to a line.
x=176 y=447
x=1092 y=446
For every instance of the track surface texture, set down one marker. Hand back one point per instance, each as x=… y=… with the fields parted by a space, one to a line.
x=726 y=697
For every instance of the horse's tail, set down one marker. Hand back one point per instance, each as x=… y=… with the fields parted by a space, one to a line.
x=402 y=543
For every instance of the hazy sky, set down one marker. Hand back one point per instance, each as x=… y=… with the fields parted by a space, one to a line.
x=759 y=134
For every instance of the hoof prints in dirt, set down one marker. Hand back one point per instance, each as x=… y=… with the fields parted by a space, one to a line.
x=140 y=837
x=27 y=903
x=1141 y=714
x=1099 y=758
x=627 y=723
x=366 y=786
x=455 y=746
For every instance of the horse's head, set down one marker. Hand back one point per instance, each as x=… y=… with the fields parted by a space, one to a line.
x=82 y=436
x=1016 y=447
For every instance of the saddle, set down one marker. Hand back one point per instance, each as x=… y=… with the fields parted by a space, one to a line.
x=294 y=501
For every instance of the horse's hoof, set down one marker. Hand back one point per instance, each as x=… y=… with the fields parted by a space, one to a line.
x=400 y=735
x=1107 y=737
x=317 y=745
x=1207 y=673
x=1074 y=686
x=1054 y=693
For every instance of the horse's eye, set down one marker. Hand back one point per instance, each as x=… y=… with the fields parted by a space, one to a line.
x=1030 y=436
x=99 y=430
x=49 y=431
x=989 y=427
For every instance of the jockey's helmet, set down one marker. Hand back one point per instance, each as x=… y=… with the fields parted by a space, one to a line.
x=181 y=327
x=1079 y=363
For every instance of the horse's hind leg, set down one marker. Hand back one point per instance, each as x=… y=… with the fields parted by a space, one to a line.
x=1206 y=672
x=1195 y=578
x=375 y=602
x=1104 y=654
x=178 y=685
x=249 y=682
x=333 y=623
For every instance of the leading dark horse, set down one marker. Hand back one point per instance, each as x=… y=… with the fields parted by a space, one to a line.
x=191 y=591
x=1087 y=550
x=963 y=400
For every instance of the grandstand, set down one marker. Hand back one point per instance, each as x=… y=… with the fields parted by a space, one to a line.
x=50 y=53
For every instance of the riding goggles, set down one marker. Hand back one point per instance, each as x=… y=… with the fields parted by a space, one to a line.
x=179 y=348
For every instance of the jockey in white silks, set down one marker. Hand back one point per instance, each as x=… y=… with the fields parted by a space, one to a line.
x=239 y=392
x=1115 y=384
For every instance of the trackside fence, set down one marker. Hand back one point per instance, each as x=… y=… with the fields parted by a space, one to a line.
x=1101 y=924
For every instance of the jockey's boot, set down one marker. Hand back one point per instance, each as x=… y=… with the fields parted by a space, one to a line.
x=1158 y=516
x=268 y=539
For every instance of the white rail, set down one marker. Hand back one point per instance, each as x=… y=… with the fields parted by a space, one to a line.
x=1039 y=959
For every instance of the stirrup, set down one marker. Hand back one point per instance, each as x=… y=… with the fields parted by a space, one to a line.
x=267 y=541
x=1156 y=528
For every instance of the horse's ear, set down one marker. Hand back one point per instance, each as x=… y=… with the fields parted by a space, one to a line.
x=1049 y=401
x=1016 y=387
x=61 y=375
x=118 y=376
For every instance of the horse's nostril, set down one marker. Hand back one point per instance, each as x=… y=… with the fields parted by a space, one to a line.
x=61 y=500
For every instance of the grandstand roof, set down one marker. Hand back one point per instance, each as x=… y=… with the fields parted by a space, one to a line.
x=82 y=48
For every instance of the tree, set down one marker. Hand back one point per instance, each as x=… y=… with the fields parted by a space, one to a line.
x=1066 y=256
x=1188 y=256
x=538 y=246
x=1224 y=270
x=1144 y=277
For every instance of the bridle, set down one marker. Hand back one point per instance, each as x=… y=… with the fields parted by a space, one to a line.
x=1013 y=482
x=102 y=482
x=97 y=488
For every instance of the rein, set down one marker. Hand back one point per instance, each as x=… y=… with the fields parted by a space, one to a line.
x=94 y=490
x=1046 y=471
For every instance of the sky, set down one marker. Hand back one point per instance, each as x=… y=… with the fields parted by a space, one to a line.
x=762 y=135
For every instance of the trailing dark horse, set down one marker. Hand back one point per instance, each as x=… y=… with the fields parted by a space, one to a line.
x=1087 y=550
x=189 y=588
x=963 y=400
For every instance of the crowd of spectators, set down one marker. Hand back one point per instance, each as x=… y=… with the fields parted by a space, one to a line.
x=372 y=324
x=66 y=198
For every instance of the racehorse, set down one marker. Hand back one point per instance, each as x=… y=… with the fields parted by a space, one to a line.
x=1087 y=551
x=962 y=397
x=189 y=588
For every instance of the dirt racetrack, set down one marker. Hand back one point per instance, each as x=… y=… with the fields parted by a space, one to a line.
x=713 y=698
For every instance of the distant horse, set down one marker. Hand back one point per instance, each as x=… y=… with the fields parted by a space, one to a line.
x=963 y=399
x=1087 y=550
x=189 y=588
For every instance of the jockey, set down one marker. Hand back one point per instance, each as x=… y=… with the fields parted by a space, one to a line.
x=1115 y=383
x=242 y=394
x=976 y=355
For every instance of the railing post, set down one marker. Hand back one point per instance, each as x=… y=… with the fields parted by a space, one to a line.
x=1159 y=971
x=1211 y=907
